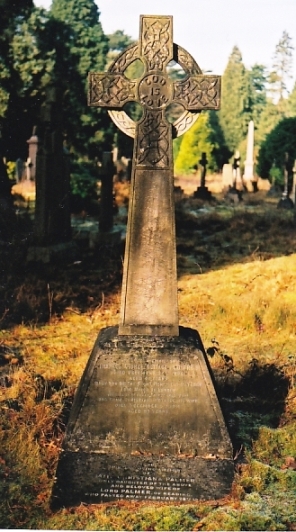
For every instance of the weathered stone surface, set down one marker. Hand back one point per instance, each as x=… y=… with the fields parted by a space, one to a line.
x=145 y=424
x=149 y=289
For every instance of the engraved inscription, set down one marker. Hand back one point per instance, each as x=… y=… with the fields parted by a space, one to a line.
x=157 y=482
x=146 y=387
x=155 y=91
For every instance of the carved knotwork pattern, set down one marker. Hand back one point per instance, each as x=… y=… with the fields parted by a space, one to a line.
x=153 y=148
x=123 y=122
x=110 y=90
x=184 y=122
x=187 y=62
x=125 y=59
x=199 y=92
x=156 y=43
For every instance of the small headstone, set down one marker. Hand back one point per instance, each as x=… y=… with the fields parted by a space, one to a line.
x=227 y=176
x=146 y=423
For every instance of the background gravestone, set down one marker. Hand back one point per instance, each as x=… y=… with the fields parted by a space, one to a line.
x=203 y=192
x=286 y=202
x=52 y=226
x=146 y=422
x=227 y=176
x=33 y=148
x=238 y=185
x=249 y=162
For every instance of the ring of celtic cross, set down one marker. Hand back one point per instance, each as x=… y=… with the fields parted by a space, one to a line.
x=162 y=90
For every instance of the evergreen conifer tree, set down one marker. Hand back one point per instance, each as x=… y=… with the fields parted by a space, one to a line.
x=282 y=66
x=197 y=140
x=236 y=100
x=292 y=102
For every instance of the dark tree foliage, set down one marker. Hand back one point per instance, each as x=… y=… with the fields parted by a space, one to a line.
x=60 y=46
x=11 y=15
x=88 y=129
x=9 y=11
x=258 y=78
x=280 y=141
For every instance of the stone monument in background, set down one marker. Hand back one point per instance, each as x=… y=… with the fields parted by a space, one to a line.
x=32 y=156
x=286 y=202
x=227 y=176
x=146 y=423
x=202 y=191
x=249 y=162
x=237 y=178
x=52 y=226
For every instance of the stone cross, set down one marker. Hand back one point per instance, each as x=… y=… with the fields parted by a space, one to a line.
x=203 y=163
x=149 y=290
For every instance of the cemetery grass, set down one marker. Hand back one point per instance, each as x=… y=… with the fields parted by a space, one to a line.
x=237 y=278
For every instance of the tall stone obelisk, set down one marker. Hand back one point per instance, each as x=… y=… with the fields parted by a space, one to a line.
x=249 y=162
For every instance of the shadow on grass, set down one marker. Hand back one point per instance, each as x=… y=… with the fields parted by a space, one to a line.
x=251 y=400
x=213 y=240
x=34 y=292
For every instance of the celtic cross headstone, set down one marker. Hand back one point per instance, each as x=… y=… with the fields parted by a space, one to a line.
x=149 y=291
x=146 y=422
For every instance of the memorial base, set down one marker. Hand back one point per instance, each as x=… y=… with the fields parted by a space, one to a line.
x=203 y=193
x=145 y=424
x=285 y=203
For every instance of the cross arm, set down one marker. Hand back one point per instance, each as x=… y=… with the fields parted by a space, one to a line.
x=198 y=92
x=111 y=90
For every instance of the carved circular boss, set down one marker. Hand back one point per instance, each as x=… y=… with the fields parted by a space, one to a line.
x=155 y=90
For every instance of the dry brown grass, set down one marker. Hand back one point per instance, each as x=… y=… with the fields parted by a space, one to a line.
x=237 y=278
